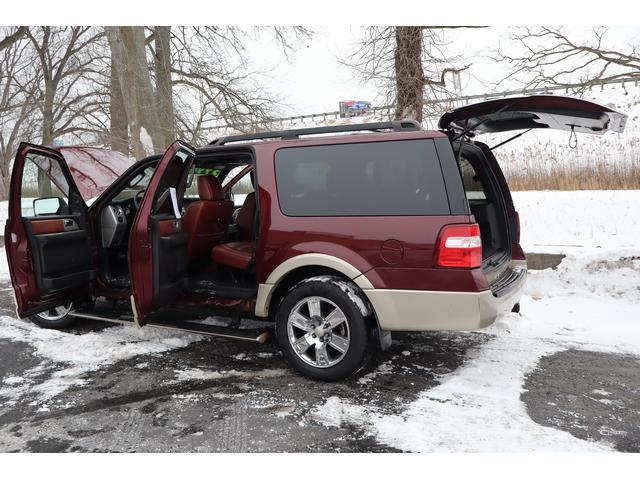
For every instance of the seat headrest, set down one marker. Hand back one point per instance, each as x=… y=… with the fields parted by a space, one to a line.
x=209 y=188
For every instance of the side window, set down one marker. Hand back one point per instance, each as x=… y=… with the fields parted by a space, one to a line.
x=391 y=178
x=472 y=184
x=242 y=187
x=170 y=192
x=44 y=189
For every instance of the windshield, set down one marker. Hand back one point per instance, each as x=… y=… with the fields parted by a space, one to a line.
x=138 y=183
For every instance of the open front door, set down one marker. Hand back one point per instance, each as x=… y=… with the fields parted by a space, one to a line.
x=157 y=244
x=46 y=238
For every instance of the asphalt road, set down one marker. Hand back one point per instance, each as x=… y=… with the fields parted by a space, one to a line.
x=136 y=404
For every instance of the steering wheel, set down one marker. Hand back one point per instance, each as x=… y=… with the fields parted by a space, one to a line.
x=137 y=198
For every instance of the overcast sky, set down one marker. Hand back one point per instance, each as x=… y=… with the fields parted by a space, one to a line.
x=314 y=81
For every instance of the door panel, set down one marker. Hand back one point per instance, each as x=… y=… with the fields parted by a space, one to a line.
x=169 y=259
x=157 y=244
x=49 y=255
x=41 y=227
x=61 y=258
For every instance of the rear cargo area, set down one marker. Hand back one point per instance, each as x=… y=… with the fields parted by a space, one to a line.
x=487 y=205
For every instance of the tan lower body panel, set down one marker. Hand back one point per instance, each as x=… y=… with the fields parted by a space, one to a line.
x=417 y=310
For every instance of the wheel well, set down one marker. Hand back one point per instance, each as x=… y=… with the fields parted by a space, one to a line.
x=295 y=276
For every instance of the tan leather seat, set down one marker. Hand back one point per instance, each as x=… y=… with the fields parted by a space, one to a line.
x=206 y=220
x=238 y=254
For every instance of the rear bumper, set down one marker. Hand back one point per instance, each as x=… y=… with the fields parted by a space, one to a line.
x=418 y=310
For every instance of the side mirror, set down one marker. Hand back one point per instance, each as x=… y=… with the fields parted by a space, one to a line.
x=48 y=206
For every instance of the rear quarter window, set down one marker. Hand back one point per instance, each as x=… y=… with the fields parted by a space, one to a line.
x=362 y=179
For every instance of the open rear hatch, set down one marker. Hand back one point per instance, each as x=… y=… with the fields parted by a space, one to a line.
x=491 y=203
x=535 y=111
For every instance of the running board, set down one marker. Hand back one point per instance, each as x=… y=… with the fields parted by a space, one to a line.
x=259 y=336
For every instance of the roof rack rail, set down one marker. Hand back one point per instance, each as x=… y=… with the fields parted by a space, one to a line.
x=396 y=126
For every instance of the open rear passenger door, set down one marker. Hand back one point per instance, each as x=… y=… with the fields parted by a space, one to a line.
x=157 y=243
x=46 y=238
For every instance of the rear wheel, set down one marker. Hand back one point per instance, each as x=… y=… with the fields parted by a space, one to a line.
x=321 y=330
x=56 y=318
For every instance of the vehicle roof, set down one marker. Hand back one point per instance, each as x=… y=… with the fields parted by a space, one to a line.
x=324 y=139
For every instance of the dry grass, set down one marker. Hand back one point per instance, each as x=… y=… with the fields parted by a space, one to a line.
x=572 y=177
x=609 y=163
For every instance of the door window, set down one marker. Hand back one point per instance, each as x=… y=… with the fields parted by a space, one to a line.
x=471 y=180
x=44 y=189
x=170 y=193
x=375 y=178
x=242 y=187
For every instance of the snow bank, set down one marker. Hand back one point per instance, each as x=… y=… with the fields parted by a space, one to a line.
x=477 y=408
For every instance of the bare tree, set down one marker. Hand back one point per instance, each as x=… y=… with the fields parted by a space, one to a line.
x=13 y=37
x=18 y=102
x=551 y=56
x=184 y=81
x=66 y=62
x=118 y=122
x=409 y=64
x=164 y=84
x=210 y=64
x=140 y=101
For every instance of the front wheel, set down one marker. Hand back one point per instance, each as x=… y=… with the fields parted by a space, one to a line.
x=55 y=318
x=321 y=328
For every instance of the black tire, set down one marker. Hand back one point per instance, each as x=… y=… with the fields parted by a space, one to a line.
x=49 y=320
x=333 y=290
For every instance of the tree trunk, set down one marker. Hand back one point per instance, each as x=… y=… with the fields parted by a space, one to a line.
x=409 y=73
x=44 y=182
x=162 y=64
x=129 y=57
x=126 y=82
x=118 y=128
x=5 y=178
x=133 y=40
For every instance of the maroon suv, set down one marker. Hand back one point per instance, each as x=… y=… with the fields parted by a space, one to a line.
x=338 y=235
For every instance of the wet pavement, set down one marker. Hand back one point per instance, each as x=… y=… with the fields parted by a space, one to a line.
x=592 y=395
x=218 y=395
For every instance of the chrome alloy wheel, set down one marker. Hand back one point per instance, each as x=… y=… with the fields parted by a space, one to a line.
x=318 y=332
x=55 y=314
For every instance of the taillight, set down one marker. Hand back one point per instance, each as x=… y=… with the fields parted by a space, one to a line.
x=459 y=246
x=517 y=215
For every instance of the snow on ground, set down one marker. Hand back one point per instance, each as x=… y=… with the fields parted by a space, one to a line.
x=80 y=353
x=200 y=374
x=578 y=220
x=478 y=407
